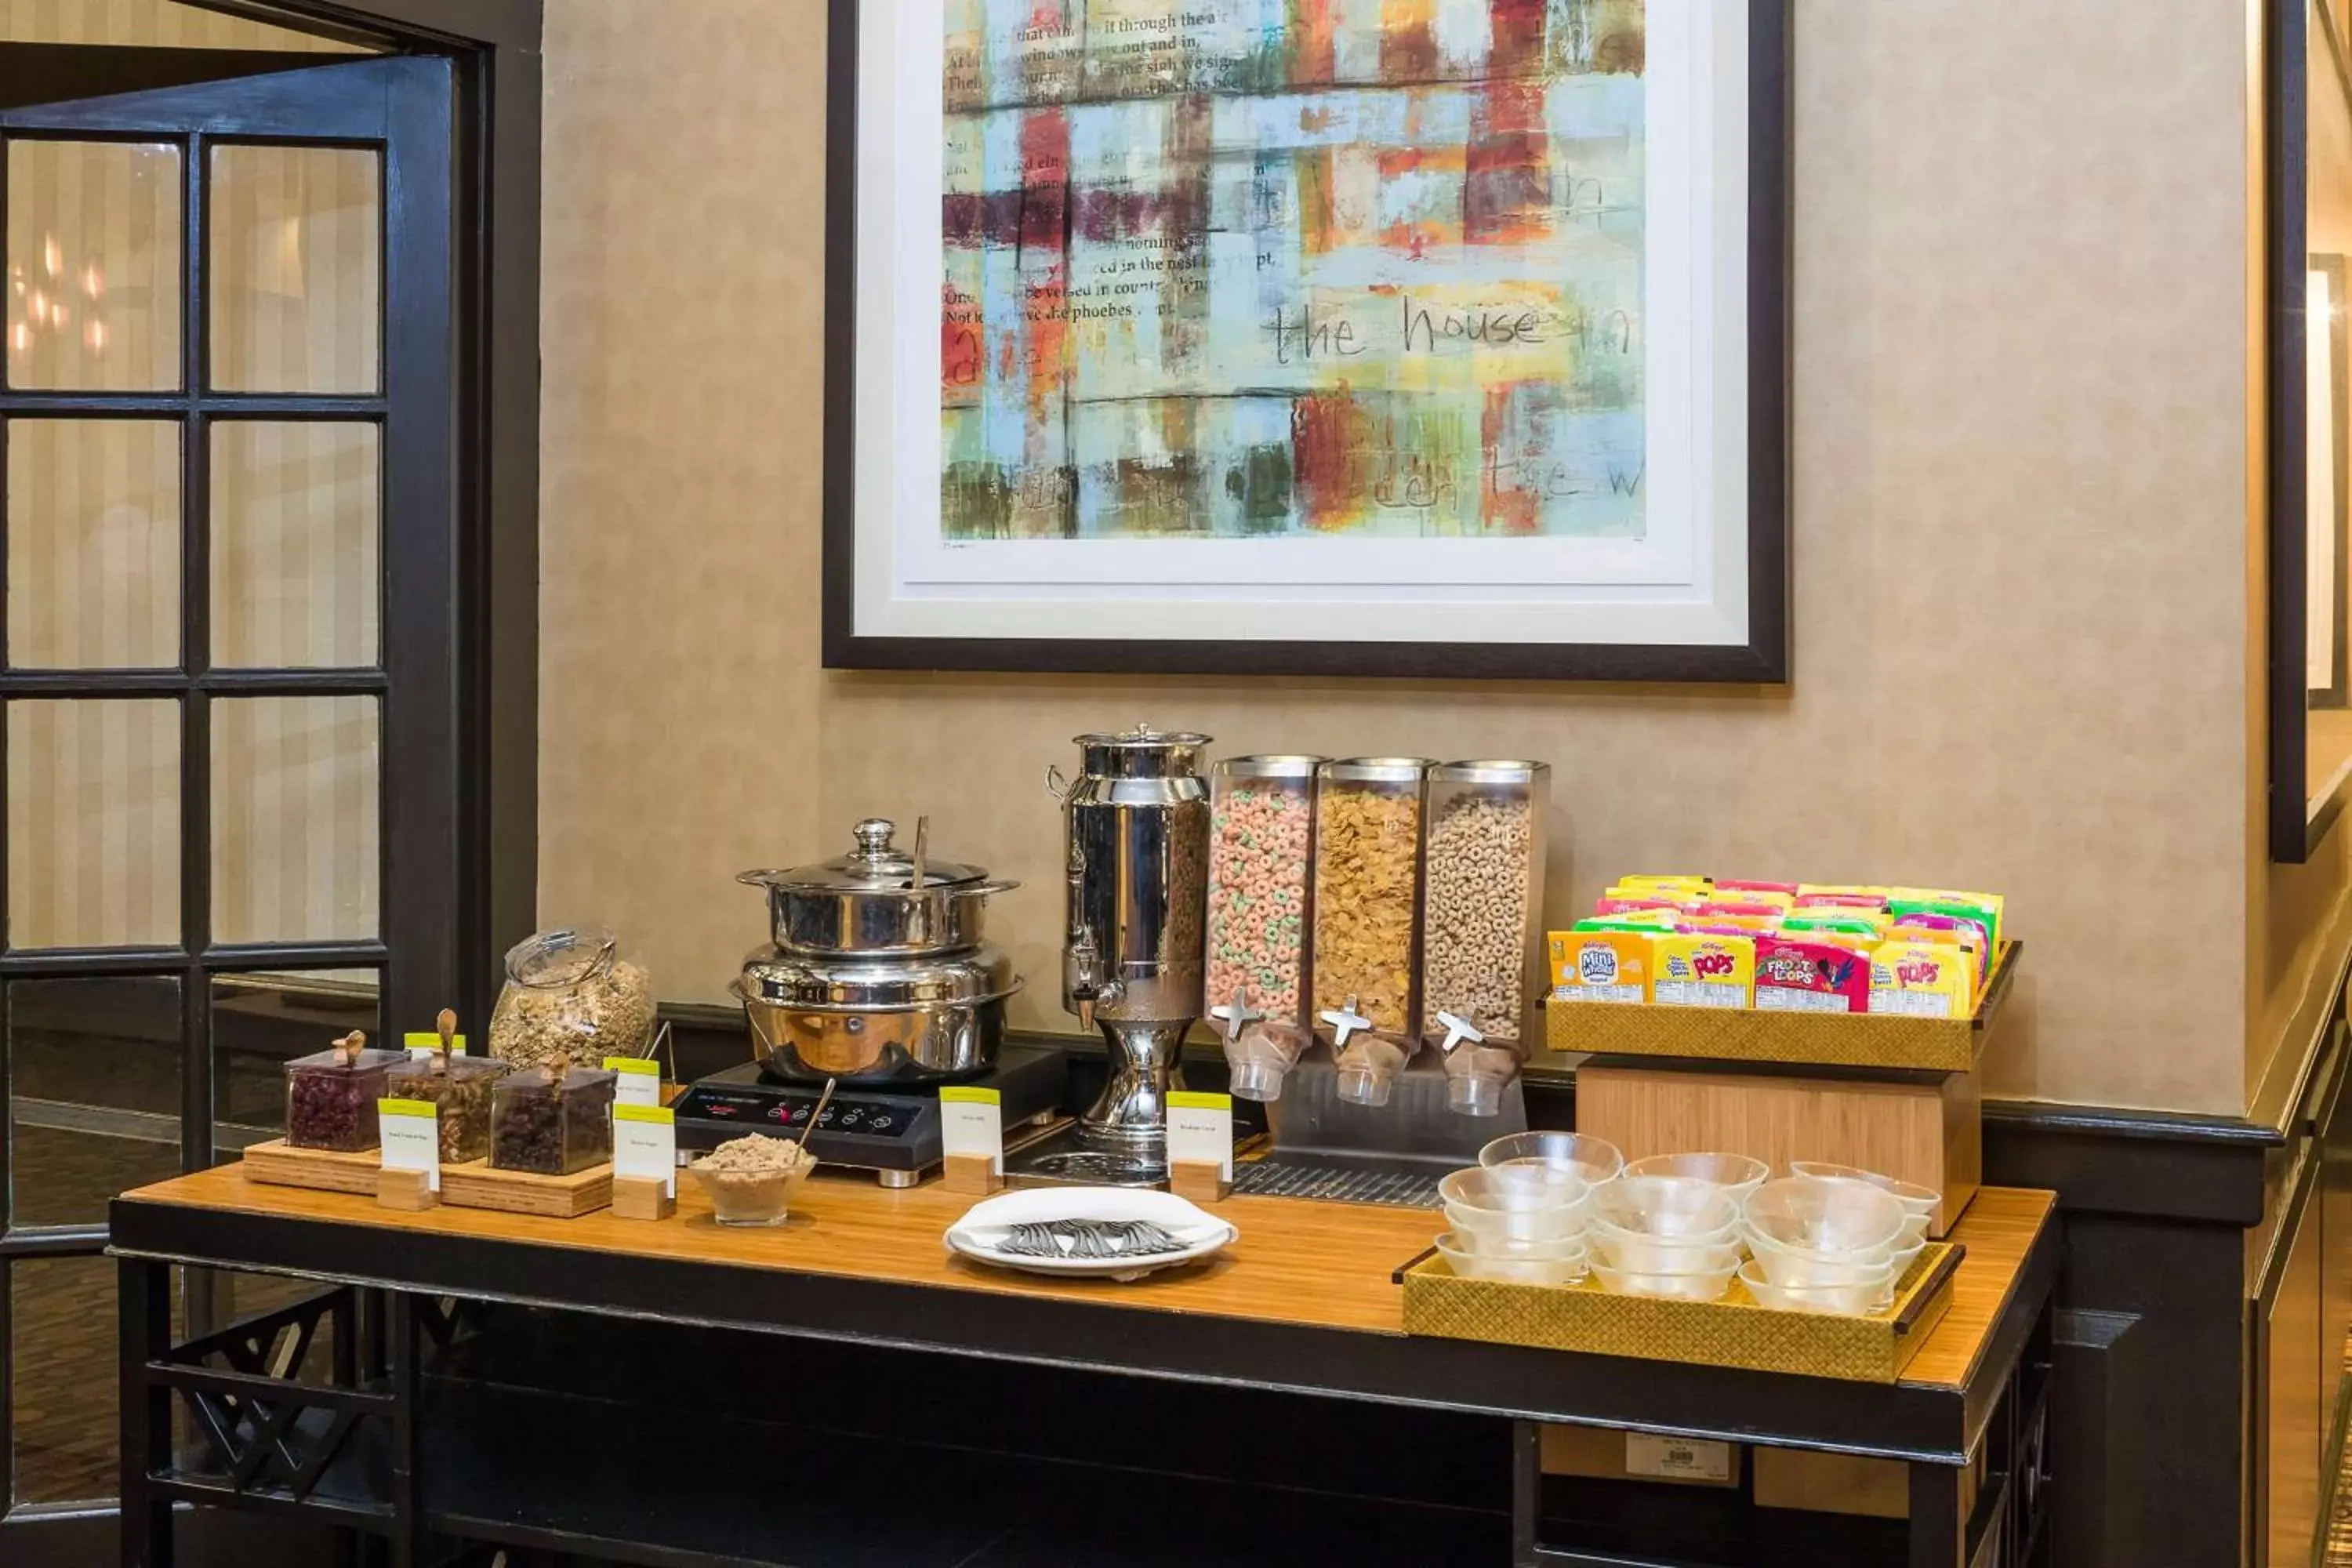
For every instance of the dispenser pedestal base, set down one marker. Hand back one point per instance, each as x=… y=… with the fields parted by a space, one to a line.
x=1392 y=1154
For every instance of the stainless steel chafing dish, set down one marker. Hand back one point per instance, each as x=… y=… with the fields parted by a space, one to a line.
x=878 y=972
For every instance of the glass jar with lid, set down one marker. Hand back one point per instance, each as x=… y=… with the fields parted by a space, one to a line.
x=1482 y=909
x=570 y=998
x=459 y=1088
x=1367 y=887
x=330 y=1096
x=552 y=1120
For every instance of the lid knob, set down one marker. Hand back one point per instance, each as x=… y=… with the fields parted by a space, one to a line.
x=874 y=838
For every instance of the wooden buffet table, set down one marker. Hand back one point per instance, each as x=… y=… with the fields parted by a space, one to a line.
x=1304 y=1302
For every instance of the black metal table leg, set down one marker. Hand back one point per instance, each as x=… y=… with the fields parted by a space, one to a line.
x=144 y=1309
x=1936 y=1522
x=405 y=1348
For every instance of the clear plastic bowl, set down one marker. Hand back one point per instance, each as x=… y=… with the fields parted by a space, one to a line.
x=1525 y=1203
x=1797 y=1269
x=1686 y=1285
x=1566 y=1269
x=1561 y=1225
x=1647 y=1255
x=1597 y=1159
x=1853 y=1301
x=1914 y=1198
x=1493 y=1243
x=1666 y=1207
x=1810 y=1214
x=1736 y=1173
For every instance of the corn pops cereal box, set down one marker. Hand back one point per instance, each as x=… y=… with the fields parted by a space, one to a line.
x=1685 y=885
x=1601 y=965
x=1922 y=979
x=1689 y=969
x=1796 y=975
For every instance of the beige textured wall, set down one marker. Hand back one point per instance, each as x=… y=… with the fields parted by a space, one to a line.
x=2020 y=469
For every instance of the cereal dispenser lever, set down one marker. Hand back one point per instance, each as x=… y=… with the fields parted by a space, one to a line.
x=1457 y=1029
x=1344 y=1021
x=1235 y=1015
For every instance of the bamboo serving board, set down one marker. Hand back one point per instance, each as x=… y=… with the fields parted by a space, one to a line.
x=1757 y=1034
x=282 y=1165
x=1733 y=1331
x=476 y=1186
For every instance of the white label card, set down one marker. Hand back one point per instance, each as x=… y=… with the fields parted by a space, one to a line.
x=411 y=1137
x=645 y=1142
x=637 y=1080
x=1201 y=1130
x=1688 y=1459
x=972 y=1121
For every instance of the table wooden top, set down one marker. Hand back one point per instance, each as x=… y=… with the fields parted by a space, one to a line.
x=1296 y=1263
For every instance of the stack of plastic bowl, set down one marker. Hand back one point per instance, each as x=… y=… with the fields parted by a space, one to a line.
x=1918 y=1202
x=1823 y=1245
x=1595 y=1159
x=1521 y=1223
x=1664 y=1235
x=1735 y=1174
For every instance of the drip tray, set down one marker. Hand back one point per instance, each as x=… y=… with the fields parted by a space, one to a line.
x=1385 y=1185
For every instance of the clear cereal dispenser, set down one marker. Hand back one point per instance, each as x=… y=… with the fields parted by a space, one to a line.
x=1261 y=838
x=1366 y=889
x=1482 y=923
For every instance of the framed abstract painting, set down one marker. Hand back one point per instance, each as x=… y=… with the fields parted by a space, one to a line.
x=1373 y=337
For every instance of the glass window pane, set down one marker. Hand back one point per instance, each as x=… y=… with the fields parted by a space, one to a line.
x=93 y=266
x=93 y=824
x=295 y=818
x=297 y=269
x=262 y=1021
x=94 y=1093
x=294 y=534
x=61 y=1378
x=93 y=543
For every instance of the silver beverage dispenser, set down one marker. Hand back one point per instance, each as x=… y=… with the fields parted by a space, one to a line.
x=1136 y=833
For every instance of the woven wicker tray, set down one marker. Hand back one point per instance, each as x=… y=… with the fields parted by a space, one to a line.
x=1733 y=1331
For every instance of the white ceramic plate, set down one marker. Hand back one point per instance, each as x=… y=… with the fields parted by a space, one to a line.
x=977 y=1234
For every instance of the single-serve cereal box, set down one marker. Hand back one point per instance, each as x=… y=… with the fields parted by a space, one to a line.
x=1923 y=979
x=1694 y=970
x=1599 y=965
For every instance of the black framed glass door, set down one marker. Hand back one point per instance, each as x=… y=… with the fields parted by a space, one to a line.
x=228 y=680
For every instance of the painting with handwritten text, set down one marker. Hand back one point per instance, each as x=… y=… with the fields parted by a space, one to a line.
x=1299 y=269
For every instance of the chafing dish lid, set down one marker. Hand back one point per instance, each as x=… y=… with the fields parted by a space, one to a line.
x=874 y=866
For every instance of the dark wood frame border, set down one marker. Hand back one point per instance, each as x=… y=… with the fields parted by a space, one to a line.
x=2296 y=831
x=1764 y=658
x=494 y=48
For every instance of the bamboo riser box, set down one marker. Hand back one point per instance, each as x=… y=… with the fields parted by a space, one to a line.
x=1922 y=1128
